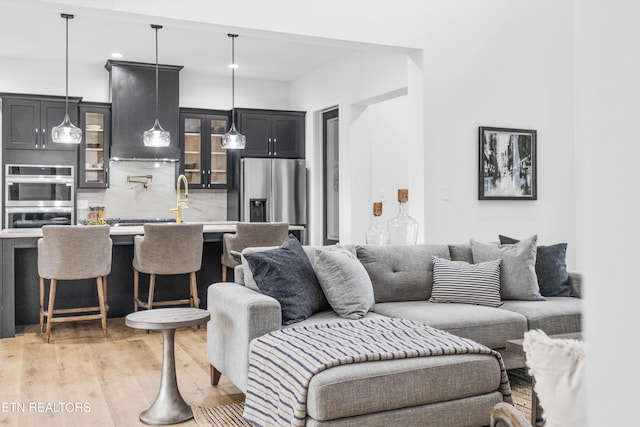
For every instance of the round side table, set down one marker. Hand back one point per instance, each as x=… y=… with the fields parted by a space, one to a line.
x=169 y=406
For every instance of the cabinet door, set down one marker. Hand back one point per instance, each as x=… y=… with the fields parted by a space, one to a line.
x=287 y=136
x=218 y=156
x=93 y=167
x=193 y=131
x=21 y=127
x=52 y=114
x=257 y=128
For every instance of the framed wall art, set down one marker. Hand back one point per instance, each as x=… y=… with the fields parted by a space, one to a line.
x=507 y=169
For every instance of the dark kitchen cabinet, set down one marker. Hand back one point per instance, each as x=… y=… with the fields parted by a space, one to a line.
x=28 y=120
x=93 y=161
x=204 y=162
x=133 y=92
x=272 y=133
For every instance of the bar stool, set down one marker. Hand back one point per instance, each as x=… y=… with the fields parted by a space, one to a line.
x=167 y=249
x=247 y=235
x=71 y=252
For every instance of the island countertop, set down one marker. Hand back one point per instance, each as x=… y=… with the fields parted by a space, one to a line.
x=207 y=227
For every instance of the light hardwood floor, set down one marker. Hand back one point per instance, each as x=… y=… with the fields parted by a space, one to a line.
x=83 y=379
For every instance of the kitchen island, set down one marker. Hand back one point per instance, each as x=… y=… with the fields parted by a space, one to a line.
x=19 y=293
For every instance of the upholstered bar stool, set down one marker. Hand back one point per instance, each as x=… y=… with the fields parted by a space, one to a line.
x=167 y=249
x=70 y=252
x=250 y=235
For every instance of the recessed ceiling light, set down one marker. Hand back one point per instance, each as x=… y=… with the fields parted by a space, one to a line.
x=117 y=55
x=233 y=65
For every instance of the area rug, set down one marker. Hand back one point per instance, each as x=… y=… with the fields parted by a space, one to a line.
x=521 y=390
x=220 y=416
x=231 y=415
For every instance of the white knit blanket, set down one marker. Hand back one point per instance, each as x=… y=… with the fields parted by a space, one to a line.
x=282 y=363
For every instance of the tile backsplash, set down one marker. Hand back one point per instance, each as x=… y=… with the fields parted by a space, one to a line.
x=131 y=200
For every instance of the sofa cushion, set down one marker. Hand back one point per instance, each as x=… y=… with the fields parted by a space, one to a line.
x=459 y=281
x=518 y=278
x=461 y=252
x=490 y=326
x=370 y=387
x=556 y=315
x=344 y=282
x=551 y=268
x=400 y=272
x=286 y=274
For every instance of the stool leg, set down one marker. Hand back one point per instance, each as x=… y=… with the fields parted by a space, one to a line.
x=152 y=284
x=103 y=311
x=224 y=273
x=52 y=297
x=104 y=286
x=194 y=290
x=136 y=279
x=41 y=305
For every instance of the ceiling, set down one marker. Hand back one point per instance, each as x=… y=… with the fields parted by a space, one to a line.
x=31 y=29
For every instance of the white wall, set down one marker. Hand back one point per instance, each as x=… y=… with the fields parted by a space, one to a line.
x=607 y=66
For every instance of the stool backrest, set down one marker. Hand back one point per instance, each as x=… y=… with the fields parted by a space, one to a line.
x=71 y=252
x=169 y=249
x=251 y=235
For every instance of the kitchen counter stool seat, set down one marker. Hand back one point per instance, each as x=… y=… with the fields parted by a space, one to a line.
x=71 y=252
x=250 y=234
x=167 y=249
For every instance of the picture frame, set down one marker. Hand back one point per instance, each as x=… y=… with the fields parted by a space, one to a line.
x=507 y=164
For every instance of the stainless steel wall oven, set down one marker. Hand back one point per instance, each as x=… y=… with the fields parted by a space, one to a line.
x=36 y=195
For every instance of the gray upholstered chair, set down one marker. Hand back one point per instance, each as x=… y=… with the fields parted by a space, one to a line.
x=250 y=234
x=70 y=252
x=167 y=249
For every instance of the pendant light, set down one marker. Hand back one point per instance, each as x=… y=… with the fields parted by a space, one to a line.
x=233 y=140
x=156 y=136
x=66 y=132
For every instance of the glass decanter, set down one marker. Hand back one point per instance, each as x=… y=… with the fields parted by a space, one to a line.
x=403 y=229
x=376 y=234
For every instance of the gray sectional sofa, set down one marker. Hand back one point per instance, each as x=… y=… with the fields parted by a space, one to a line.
x=453 y=390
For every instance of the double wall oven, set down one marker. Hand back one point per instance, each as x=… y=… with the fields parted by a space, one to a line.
x=37 y=195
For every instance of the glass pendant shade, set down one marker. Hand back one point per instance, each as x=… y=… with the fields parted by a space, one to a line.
x=233 y=140
x=66 y=132
x=156 y=136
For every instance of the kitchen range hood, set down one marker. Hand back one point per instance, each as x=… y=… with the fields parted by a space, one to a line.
x=132 y=86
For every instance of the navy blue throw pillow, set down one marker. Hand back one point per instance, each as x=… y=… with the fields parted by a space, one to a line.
x=286 y=274
x=551 y=268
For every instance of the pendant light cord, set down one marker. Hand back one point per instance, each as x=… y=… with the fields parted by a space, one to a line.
x=156 y=72
x=66 y=96
x=233 y=75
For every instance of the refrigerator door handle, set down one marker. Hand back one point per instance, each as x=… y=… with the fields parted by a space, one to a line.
x=269 y=145
x=275 y=142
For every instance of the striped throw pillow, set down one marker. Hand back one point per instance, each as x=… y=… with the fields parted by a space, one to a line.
x=461 y=282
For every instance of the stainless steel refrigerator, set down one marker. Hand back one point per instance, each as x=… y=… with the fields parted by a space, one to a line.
x=273 y=190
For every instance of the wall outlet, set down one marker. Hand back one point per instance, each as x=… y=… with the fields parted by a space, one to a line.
x=444 y=193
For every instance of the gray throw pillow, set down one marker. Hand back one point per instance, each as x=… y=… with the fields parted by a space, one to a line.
x=461 y=282
x=286 y=274
x=345 y=282
x=551 y=268
x=518 y=280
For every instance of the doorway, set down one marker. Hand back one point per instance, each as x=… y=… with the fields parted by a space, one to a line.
x=331 y=187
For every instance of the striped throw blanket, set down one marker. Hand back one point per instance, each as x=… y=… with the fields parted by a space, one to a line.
x=282 y=363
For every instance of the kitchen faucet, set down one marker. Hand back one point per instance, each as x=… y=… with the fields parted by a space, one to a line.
x=178 y=209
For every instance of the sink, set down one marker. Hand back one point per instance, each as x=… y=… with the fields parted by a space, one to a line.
x=139 y=222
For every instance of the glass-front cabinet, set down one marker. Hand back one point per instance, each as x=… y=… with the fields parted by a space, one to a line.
x=93 y=165
x=204 y=162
